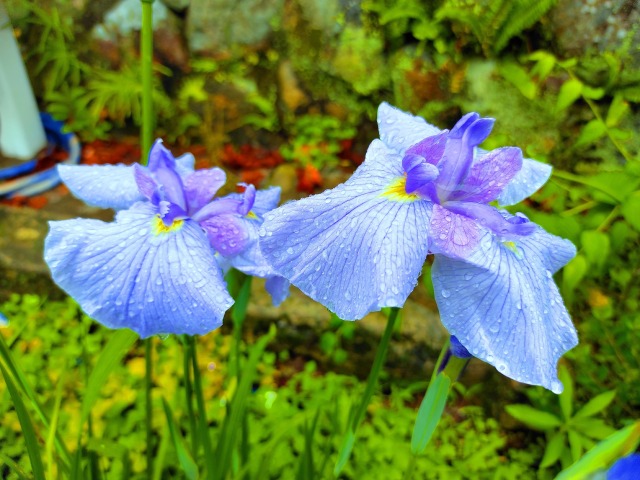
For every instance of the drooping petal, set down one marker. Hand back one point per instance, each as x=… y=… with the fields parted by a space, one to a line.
x=104 y=186
x=452 y=234
x=356 y=248
x=400 y=130
x=525 y=183
x=134 y=273
x=278 y=288
x=490 y=218
x=502 y=304
x=227 y=233
x=201 y=186
x=489 y=175
x=3 y=320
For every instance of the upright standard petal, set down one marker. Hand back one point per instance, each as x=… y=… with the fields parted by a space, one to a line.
x=400 y=130
x=526 y=182
x=502 y=304
x=137 y=273
x=104 y=186
x=356 y=248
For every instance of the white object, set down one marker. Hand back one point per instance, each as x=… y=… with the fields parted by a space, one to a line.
x=21 y=131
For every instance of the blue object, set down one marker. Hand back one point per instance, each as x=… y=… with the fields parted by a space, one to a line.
x=25 y=184
x=362 y=246
x=155 y=269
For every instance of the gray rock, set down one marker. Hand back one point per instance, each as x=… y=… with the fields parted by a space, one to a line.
x=214 y=25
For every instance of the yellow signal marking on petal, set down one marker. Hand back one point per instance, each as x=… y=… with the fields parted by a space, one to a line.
x=396 y=191
x=513 y=247
x=251 y=215
x=159 y=228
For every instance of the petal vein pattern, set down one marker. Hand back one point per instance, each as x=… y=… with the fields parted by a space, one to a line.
x=104 y=186
x=351 y=248
x=505 y=308
x=125 y=275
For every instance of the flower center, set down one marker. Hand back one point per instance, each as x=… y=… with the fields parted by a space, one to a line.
x=159 y=228
x=396 y=191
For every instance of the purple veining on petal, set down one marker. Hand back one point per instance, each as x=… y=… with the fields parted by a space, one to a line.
x=227 y=233
x=162 y=166
x=458 y=155
x=490 y=218
x=489 y=175
x=453 y=235
x=431 y=148
x=200 y=187
x=217 y=207
x=146 y=185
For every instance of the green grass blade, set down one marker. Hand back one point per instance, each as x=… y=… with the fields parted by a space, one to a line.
x=184 y=458
x=203 y=423
x=430 y=413
x=51 y=434
x=604 y=453
x=117 y=347
x=22 y=475
x=233 y=421
x=5 y=354
x=357 y=413
x=28 y=431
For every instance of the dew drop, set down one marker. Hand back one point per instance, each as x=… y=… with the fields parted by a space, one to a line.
x=445 y=293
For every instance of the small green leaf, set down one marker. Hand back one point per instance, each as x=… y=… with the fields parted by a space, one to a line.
x=592 y=93
x=554 y=450
x=596 y=246
x=566 y=397
x=575 y=444
x=596 y=404
x=28 y=432
x=545 y=62
x=592 y=427
x=630 y=209
x=569 y=93
x=535 y=419
x=519 y=77
x=430 y=413
x=184 y=458
x=604 y=453
x=618 y=109
x=573 y=274
x=591 y=132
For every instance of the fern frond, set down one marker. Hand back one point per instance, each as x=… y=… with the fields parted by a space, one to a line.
x=524 y=14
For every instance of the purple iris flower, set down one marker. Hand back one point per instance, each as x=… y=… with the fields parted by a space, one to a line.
x=362 y=246
x=155 y=269
x=627 y=468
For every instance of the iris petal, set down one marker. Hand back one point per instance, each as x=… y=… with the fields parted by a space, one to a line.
x=278 y=288
x=227 y=233
x=526 y=182
x=104 y=186
x=489 y=175
x=351 y=248
x=126 y=274
x=453 y=235
x=503 y=306
x=400 y=130
x=202 y=185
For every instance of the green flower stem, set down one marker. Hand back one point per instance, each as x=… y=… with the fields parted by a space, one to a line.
x=146 y=61
x=357 y=414
x=148 y=382
x=188 y=390
x=202 y=411
x=146 y=136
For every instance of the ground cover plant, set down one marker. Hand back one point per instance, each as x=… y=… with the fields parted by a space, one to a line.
x=485 y=227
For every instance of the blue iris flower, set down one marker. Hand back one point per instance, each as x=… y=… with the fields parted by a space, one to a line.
x=627 y=468
x=156 y=268
x=361 y=246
